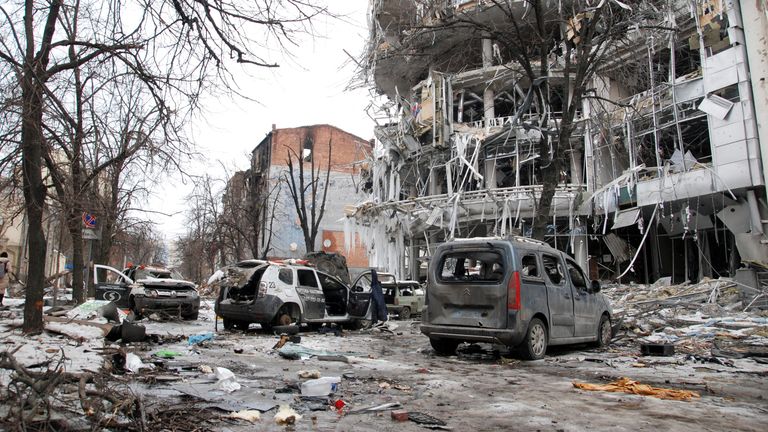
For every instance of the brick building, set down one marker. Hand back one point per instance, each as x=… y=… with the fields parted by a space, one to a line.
x=280 y=232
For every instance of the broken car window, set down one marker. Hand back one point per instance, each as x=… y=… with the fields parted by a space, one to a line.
x=286 y=275
x=553 y=268
x=307 y=278
x=475 y=266
x=577 y=277
x=529 y=266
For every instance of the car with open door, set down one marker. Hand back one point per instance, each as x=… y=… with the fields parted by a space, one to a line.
x=288 y=292
x=146 y=290
x=517 y=292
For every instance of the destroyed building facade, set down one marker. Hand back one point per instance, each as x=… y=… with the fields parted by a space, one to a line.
x=664 y=171
x=279 y=231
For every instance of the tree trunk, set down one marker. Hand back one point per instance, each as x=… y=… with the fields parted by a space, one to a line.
x=74 y=225
x=34 y=196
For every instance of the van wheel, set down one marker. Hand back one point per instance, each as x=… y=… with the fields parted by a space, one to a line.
x=534 y=345
x=444 y=346
x=405 y=313
x=604 y=332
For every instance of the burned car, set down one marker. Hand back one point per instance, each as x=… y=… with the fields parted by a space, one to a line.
x=289 y=292
x=146 y=290
x=517 y=292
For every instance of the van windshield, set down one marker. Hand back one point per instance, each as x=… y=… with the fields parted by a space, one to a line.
x=476 y=266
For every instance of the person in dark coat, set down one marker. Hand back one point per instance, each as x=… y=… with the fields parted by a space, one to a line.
x=378 y=304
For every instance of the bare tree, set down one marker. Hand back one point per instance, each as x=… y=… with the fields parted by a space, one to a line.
x=308 y=194
x=177 y=49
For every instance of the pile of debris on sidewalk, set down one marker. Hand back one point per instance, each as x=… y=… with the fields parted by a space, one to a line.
x=711 y=318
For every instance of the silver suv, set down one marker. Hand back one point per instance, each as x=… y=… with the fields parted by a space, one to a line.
x=517 y=292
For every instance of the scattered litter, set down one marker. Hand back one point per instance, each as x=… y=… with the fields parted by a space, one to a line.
x=626 y=385
x=651 y=349
x=205 y=369
x=309 y=373
x=425 y=419
x=134 y=364
x=320 y=387
x=375 y=408
x=339 y=405
x=167 y=354
x=286 y=415
x=384 y=385
x=298 y=352
x=227 y=380
x=248 y=415
x=199 y=338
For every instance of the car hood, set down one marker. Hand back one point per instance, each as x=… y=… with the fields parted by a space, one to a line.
x=169 y=283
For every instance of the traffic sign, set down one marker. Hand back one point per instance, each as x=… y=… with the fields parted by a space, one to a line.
x=90 y=234
x=89 y=220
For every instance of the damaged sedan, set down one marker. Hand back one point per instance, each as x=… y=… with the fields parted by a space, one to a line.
x=146 y=290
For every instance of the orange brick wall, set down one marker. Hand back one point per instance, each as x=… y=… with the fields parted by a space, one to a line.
x=345 y=147
x=357 y=257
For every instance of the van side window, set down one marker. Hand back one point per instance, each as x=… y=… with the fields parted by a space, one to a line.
x=307 y=278
x=286 y=275
x=553 y=268
x=530 y=267
x=577 y=277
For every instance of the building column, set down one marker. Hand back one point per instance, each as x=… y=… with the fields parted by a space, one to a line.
x=580 y=250
x=488 y=95
x=577 y=167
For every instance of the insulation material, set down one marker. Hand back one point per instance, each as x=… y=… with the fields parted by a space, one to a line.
x=626 y=385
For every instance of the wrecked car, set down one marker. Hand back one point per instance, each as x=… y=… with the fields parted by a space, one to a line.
x=146 y=290
x=517 y=292
x=285 y=293
x=403 y=298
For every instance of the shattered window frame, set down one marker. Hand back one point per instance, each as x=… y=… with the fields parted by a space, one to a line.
x=478 y=266
x=558 y=266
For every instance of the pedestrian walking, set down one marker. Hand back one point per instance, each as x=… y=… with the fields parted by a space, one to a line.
x=378 y=304
x=5 y=270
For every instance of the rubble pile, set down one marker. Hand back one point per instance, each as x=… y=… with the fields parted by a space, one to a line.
x=708 y=318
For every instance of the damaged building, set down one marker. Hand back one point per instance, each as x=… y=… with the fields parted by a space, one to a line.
x=336 y=156
x=662 y=175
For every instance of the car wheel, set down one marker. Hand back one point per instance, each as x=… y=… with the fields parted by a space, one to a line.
x=242 y=325
x=534 y=345
x=444 y=346
x=604 y=332
x=405 y=313
x=191 y=317
x=229 y=324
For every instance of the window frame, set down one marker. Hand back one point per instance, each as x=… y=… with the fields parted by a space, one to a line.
x=539 y=266
x=558 y=260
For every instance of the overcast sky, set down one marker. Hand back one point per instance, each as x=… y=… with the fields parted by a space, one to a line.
x=305 y=90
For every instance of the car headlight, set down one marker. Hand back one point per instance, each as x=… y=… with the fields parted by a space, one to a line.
x=150 y=293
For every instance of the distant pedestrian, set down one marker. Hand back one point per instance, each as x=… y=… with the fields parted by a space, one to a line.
x=5 y=270
x=378 y=304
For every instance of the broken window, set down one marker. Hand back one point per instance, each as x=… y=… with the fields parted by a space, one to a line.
x=577 y=277
x=286 y=275
x=307 y=278
x=306 y=153
x=530 y=267
x=475 y=266
x=553 y=268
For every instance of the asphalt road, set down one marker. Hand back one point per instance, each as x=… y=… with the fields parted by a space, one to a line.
x=480 y=389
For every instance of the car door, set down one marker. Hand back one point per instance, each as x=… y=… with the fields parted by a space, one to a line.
x=559 y=296
x=360 y=296
x=312 y=298
x=112 y=285
x=585 y=304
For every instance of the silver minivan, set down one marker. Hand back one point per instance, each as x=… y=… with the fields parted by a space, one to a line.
x=517 y=292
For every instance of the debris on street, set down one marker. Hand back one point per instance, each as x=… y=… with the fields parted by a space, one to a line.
x=627 y=385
